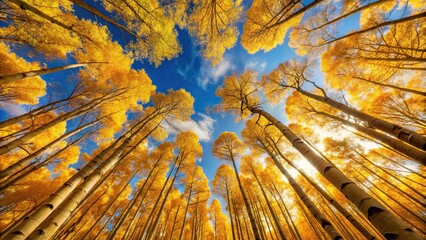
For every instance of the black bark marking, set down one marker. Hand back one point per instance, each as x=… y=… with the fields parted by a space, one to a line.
x=373 y=210
x=327 y=168
x=344 y=185
x=391 y=236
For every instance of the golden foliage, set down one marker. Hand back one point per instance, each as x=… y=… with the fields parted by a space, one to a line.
x=266 y=24
x=238 y=93
x=213 y=24
x=24 y=91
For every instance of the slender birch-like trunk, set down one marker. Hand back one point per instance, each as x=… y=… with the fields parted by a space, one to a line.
x=34 y=219
x=361 y=228
x=274 y=216
x=421 y=93
x=34 y=73
x=157 y=201
x=379 y=216
x=111 y=203
x=157 y=219
x=21 y=163
x=99 y=14
x=28 y=7
x=229 y=210
x=60 y=215
x=399 y=132
x=380 y=25
x=19 y=175
x=40 y=110
x=325 y=224
x=409 y=151
x=249 y=210
x=65 y=117
x=186 y=208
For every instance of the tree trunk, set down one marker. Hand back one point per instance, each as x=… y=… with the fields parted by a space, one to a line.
x=294 y=233
x=19 y=175
x=111 y=203
x=20 y=164
x=238 y=222
x=40 y=110
x=326 y=225
x=22 y=75
x=379 y=216
x=249 y=210
x=257 y=212
x=383 y=24
x=414 y=198
x=59 y=216
x=186 y=209
x=43 y=211
x=157 y=219
x=174 y=222
x=399 y=132
x=25 y=6
x=230 y=212
x=126 y=213
x=421 y=93
x=412 y=152
x=157 y=201
x=295 y=14
x=67 y=230
x=65 y=117
x=327 y=196
x=367 y=6
x=97 y=13
x=274 y=215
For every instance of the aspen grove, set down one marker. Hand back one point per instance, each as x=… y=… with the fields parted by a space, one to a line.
x=216 y=120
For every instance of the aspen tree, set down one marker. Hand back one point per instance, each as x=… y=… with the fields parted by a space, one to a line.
x=299 y=105
x=293 y=75
x=251 y=166
x=239 y=97
x=213 y=24
x=177 y=104
x=64 y=117
x=219 y=219
x=228 y=147
x=21 y=163
x=18 y=76
x=223 y=183
x=179 y=107
x=188 y=149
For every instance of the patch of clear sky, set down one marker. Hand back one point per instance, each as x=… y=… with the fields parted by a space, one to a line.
x=169 y=76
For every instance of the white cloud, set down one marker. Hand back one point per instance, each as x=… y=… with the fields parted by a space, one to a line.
x=13 y=109
x=203 y=128
x=256 y=65
x=210 y=75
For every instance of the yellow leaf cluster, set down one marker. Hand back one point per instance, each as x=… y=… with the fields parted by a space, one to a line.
x=266 y=24
x=24 y=91
x=213 y=24
x=156 y=35
x=237 y=93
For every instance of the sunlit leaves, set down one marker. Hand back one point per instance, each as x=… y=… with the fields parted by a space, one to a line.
x=213 y=24
x=228 y=146
x=237 y=93
x=24 y=91
x=267 y=23
x=155 y=35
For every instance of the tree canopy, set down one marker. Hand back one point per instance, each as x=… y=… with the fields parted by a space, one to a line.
x=222 y=119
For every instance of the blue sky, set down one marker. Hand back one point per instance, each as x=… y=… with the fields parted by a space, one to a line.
x=189 y=71
x=193 y=73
